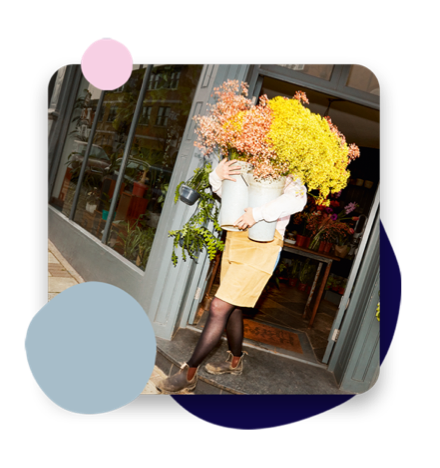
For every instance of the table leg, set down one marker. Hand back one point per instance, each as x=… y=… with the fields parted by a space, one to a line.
x=312 y=290
x=321 y=290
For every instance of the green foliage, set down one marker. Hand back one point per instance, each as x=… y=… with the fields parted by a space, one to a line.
x=194 y=236
x=307 y=272
x=137 y=242
x=164 y=190
x=106 y=201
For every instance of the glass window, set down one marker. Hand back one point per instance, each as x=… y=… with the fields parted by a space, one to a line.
x=162 y=116
x=145 y=116
x=112 y=113
x=74 y=148
x=363 y=79
x=150 y=167
x=319 y=71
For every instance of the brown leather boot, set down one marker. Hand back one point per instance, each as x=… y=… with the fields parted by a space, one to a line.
x=178 y=383
x=226 y=366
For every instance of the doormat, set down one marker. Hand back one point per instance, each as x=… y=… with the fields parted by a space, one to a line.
x=273 y=336
x=267 y=334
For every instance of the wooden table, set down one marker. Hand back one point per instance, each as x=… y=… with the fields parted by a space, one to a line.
x=322 y=258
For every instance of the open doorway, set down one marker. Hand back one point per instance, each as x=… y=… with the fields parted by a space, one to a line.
x=295 y=313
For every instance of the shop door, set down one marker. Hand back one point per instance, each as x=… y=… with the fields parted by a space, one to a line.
x=371 y=230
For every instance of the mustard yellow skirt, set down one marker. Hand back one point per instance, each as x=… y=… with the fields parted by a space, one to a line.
x=246 y=268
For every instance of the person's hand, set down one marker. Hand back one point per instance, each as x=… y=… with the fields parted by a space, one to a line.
x=245 y=221
x=226 y=169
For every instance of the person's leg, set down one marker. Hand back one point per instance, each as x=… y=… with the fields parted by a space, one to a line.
x=234 y=332
x=219 y=313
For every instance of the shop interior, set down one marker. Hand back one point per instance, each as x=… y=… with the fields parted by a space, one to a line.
x=277 y=322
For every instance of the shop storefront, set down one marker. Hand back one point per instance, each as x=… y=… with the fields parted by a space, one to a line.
x=115 y=159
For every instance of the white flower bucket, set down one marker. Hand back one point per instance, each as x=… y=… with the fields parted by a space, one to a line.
x=234 y=199
x=260 y=193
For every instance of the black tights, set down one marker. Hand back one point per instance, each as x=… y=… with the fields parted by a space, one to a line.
x=221 y=315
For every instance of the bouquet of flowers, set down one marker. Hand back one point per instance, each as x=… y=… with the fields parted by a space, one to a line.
x=278 y=137
x=328 y=226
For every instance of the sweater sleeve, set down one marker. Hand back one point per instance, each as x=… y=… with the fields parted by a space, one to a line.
x=293 y=200
x=216 y=183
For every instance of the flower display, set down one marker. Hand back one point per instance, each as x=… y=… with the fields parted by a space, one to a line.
x=278 y=137
x=328 y=227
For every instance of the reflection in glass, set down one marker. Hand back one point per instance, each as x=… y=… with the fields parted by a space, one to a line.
x=111 y=135
x=363 y=79
x=74 y=149
x=320 y=71
x=158 y=136
x=147 y=176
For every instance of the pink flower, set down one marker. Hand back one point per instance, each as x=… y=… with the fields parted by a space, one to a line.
x=350 y=207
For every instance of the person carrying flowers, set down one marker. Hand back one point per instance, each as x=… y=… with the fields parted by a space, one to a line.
x=258 y=135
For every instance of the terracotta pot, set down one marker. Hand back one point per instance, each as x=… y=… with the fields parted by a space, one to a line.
x=341 y=290
x=139 y=189
x=328 y=246
x=292 y=282
x=300 y=240
x=308 y=289
x=322 y=246
x=307 y=244
x=302 y=286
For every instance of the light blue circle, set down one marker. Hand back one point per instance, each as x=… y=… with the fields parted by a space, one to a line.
x=92 y=348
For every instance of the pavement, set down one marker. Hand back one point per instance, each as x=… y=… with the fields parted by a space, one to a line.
x=63 y=276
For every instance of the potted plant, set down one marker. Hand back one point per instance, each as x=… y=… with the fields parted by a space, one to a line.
x=139 y=186
x=92 y=200
x=294 y=272
x=278 y=138
x=136 y=240
x=105 y=203
x=194 y=235
x=306 y=275
x=189 y=191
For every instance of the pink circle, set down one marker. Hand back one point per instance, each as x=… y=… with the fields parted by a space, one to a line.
x=107 y=64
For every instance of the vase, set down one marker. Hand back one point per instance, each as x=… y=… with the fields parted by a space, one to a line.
x=234 y=199
x=260 y=193
x=139 y=189
x=300 y=240
x=341 y=250
x=91 y=207
x=327 y=247
x=188 y=195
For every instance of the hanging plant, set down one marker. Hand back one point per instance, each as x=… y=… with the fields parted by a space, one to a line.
x=190 y=191
x=194 y=236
